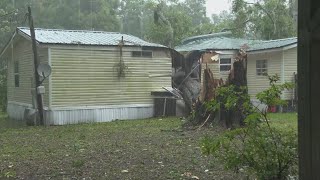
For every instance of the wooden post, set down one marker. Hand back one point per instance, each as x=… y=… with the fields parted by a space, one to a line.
x=309 y=88
x=36 y=63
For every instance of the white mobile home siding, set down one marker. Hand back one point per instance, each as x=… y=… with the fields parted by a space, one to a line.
x=87 y=77
x=257 y=83
x=215 y=68
x=85 y=86
x=290 y=67
x=20 y=97
x=20 y=52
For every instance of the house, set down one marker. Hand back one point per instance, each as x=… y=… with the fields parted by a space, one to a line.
x=93 y=79
x=264 y=57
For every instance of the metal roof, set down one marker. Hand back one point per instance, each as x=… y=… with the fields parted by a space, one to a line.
x=83 y=37
x=271 y=44
x=202 y=37
x=219 y=41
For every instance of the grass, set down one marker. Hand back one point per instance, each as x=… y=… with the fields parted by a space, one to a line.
x=284 y=120
x=140 y=149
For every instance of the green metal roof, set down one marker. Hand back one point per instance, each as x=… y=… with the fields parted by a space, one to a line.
x=271 y=44
x=220 y=41
x=83 y=37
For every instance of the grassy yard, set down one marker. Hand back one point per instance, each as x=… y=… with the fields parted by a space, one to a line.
x=140 y=149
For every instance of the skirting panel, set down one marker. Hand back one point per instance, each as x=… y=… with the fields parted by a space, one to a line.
x=103 y=114
x=85 y=115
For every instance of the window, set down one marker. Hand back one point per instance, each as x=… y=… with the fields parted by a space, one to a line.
x=225 y=64
x=16 y=74
x=146 y=54
x=262 y=67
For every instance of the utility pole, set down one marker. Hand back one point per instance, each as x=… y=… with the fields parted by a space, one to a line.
x=36 y=63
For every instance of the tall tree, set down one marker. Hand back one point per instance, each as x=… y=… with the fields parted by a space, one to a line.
x=222 y=21
x=187 y=18
x=10 y=17
x=196 y=9
x=135 y=15
x=263 y=19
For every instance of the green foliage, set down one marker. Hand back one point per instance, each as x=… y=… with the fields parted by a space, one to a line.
x=133 y=17
x=229 y=97
x=187 y=18
x=222 y=21
x=272 y=96
x=265 y=19
x=258 y=149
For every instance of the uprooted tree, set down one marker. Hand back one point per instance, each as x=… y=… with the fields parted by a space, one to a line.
x=198 y=103
x=238 y=81
x=187 y=79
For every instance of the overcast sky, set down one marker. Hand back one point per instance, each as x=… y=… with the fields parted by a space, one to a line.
x=216 y=6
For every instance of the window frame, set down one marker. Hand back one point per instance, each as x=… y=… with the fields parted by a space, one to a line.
x=225 y=64
x=143 y=54
x=261 y=67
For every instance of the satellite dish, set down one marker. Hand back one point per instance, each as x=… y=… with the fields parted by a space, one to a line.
x=44 y=70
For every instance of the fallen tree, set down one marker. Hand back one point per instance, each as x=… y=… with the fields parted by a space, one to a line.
x=187 y=80
x=206 y=106
x=238 y=81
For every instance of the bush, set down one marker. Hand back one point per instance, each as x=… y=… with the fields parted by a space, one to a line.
x=258 y=149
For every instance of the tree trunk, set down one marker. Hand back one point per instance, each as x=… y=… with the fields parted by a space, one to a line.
x=238 y=78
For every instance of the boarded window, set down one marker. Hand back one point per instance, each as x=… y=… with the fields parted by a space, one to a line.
x=225 y=64
x=145 y=54
x=16 y=74
x=262 y=67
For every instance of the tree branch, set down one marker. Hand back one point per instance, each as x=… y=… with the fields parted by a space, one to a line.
x=237 y=27
x=266 y=12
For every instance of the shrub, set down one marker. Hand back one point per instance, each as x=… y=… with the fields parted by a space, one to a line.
x=258 y=149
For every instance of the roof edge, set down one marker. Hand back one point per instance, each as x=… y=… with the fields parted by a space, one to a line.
x=18 y=31
x=22 y=31
x=286 y=45
x=94 y=45
x=69 y=30
x=194 y=38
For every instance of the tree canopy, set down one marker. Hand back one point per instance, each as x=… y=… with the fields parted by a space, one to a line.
x=264 y=19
